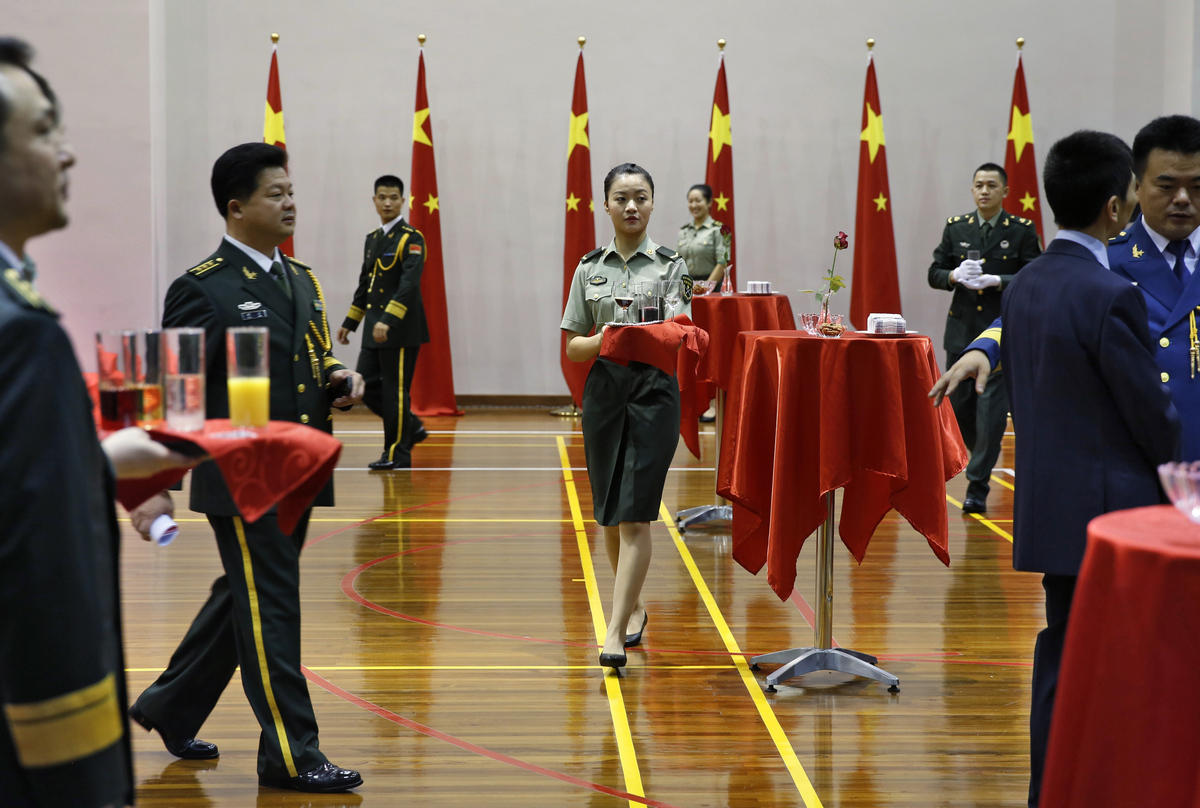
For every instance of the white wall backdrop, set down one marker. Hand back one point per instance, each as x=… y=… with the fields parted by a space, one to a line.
x=154 y=91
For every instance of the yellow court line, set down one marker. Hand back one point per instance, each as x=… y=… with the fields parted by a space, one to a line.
x=347 y=520
x=988 y=523
x=386 y=668
x=432 y=442
x=612 y=683
x=1004 y=483
x=782 y=744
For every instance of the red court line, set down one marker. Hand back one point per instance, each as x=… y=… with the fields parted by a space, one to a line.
x=476 y=749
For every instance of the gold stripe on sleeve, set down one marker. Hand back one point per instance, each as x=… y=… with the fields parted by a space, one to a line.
x=396 y=309
x=68 y=727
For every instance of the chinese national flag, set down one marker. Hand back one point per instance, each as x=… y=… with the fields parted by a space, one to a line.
x=579 y=231
x=433 y=387
x=719 y=174
x=875 y=286
x=273 y=123
x=1019 y=162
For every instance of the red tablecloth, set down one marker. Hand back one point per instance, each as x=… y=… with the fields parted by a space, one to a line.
x=1126 y=727
x=807 y=415
x=284 y=464
x=723 y=316
x=674 y=347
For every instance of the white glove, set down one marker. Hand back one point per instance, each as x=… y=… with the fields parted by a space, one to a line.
x=965 y=271
x=982 y=282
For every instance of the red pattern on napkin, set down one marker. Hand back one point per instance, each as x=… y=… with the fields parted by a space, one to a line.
x=660 y=344
x=284 y=464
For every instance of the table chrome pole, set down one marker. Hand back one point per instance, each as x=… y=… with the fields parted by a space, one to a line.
x=721 y=510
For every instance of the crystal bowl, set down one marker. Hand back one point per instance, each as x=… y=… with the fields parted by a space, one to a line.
x=1181 y=481
x=702 y=287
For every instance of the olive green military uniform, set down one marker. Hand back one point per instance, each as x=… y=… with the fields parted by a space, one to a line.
x=703 y=247
x=630 y=412
x=63 y=732
x=1010 y=244
x=389 y=292
x=252 y=616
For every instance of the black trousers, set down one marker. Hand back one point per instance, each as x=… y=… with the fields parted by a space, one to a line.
x=251 y=619
x=388 y=373
x=1047 y=659
x=981 y=419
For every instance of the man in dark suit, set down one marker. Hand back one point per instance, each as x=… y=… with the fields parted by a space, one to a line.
x=1091 y=416
x=1005 y=243
x=388 y=297
x=63 y=739
x=1158 y=255
x=252 y=617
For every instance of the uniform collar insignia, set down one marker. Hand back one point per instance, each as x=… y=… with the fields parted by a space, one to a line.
x=249 y=273
x=250 y=305
x=1138 y=253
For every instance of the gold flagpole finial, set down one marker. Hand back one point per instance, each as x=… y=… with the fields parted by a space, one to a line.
x=275 y=39
x=582 y=42
x=1020 y=42
x=421 y=40
x=871 y=43
x=720 y=44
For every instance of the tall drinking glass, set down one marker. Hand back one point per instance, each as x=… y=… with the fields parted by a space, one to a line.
x=183 y=378
x=130 y=378
x=672 y=293
x=249 y=380
x=649 y=301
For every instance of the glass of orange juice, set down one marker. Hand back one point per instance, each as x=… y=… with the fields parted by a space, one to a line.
x=249 y=381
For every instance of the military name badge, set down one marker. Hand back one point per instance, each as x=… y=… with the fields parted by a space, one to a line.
x=597 y=280
x=252 y=310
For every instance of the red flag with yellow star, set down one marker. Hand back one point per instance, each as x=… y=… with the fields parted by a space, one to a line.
x=875 y=286
x=273 y=122
x=433 y=379
x=579 y=231
x=719 y=174
x=1019 y=162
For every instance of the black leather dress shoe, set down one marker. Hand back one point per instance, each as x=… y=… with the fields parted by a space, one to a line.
x=635 y=639
x=185 y=748
x=974 y=505
x=383 y=464
x=612 y=660
x=419 y=435
x=324 y=779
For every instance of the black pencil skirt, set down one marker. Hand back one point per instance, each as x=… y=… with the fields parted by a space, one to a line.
x=630 y=432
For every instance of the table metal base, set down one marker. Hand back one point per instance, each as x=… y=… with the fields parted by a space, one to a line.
x=799 y=661
x=824 y=657
x=702 y=515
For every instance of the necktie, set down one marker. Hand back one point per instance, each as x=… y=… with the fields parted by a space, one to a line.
x=280 y=278
x=1179 y=249
x=984 y=232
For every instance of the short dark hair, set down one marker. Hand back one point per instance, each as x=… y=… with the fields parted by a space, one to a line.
x=1083 y=171
x=1175 y=133
x=705 y=190
x=627 y=168
x=18 y=53
x=389 y=181
x=235 y=174
x=993 y=167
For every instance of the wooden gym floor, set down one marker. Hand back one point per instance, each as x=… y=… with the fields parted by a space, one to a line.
x=451 y=616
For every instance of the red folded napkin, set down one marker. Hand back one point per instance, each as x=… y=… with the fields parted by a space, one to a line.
x=283 y=463
x=659 y=344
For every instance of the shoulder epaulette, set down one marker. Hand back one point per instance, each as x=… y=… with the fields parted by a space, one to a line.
x=668 y=253
x=298 y=262
x=592 y=256
x=23 y=288
x=200 y=270
x=1120 y=238
x=412 y=229
x=953 y=219
x=1026 y=222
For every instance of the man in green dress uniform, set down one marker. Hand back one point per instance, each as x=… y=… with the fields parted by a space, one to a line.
x=388 y=297
x=1004 y=244
x=252 y=616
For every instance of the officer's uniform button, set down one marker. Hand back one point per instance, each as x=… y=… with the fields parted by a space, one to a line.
x=295 y=357
x=1166 y=377
x=304 y=417
x=368 y=307
x=1164 y=342
x=979 y=308
x=300 y=388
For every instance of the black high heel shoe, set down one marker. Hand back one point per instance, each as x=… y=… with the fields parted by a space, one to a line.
x=634 y=639
x=612 y=660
